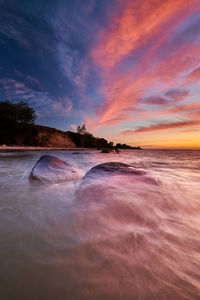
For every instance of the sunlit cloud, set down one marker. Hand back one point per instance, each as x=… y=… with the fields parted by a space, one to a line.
x=156 y=100
x=194 y=75
x=74 y=127
x=162 y=126
x=137 y=22
x=148 y=37
x=177 y=94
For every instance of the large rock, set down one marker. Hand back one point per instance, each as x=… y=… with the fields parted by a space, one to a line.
x=113 y=168
x=117 y=168
x=105 y=151
x=51 y=169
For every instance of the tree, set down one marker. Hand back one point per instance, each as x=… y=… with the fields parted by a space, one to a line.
x=119 y=146
x=18 y=113
x=110 y=145
x=123 y=146
x=24 y=113
x=81 y=129
x=102 y=143
x=16 y=121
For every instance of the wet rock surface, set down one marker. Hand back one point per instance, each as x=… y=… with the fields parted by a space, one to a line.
x=51 y=169
x=105 y=151
x=113 y=168
x=104 y=172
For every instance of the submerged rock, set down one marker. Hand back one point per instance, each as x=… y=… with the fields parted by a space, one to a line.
x=105 y=151
x=113 y=168
x=52 y=169
x=117 y=168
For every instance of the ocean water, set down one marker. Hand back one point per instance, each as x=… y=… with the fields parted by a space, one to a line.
x=108 y=238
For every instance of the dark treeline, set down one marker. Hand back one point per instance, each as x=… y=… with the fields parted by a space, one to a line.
x=87 y=140
x=17 y=124
x=17 y=113
x=17 y=128
x=82 y=138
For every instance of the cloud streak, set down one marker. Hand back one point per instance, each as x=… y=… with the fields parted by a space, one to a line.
x=194 y=75
x=137 y=22
x=44 y=103
x=162 y=126
x=144 y=60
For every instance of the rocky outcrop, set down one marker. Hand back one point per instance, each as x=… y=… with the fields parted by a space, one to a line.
x=50 y=137
x=50 y=169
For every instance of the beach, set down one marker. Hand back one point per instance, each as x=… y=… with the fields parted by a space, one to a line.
x=32 y=148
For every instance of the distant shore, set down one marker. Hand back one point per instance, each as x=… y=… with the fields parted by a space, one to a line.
x=32 y=148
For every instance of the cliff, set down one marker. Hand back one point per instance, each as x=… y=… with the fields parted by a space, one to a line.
x=51 y=137
x=14 y=134
x=35 y=135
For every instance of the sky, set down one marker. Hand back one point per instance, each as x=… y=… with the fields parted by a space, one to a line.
x=128 y=69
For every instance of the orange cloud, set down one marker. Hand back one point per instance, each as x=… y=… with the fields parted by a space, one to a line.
x=132 y=29
x=185 y=108
x=74 y=127
x=137 y=22
x=195 y=75
x=123 y=91
x=162 y=126
x=143 y=58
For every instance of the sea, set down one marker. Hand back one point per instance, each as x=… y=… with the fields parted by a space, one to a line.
x=112 y=238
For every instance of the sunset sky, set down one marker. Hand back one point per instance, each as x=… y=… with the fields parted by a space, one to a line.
x=128 y=69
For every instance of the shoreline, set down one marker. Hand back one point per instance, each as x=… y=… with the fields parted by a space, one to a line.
x=34 y=148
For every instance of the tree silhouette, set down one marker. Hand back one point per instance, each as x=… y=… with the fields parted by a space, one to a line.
x=18 y=113
x=81 y=129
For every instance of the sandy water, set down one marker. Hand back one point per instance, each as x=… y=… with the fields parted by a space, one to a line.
x=110 y=238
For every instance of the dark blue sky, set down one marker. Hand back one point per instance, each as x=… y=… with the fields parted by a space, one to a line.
x=45 y=60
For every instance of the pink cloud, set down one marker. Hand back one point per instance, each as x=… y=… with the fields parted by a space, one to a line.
x=62 y=107
x=185 y=108
x=194 y=75
x=13 y=85
x=162 y=126
x=122 y=91
x=74 y=127
x=146 y=26
x=137 y=22
x=177 y=94
x=156 y=101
